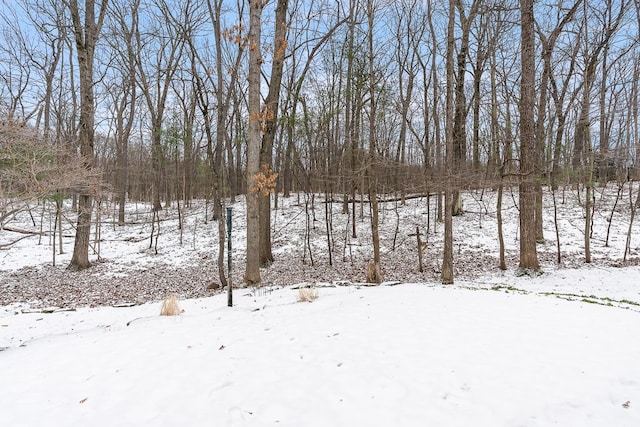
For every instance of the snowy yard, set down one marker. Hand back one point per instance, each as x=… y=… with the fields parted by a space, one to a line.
x=492 y=350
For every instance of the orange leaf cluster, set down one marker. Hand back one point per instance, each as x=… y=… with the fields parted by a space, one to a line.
x=235 y=35
x=265 y=114
x=265 y=181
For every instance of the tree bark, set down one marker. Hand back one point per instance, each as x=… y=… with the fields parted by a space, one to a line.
x=271 y=120
x=528 y=251
x=447 y=257
x=460 y=107
x=252 y=272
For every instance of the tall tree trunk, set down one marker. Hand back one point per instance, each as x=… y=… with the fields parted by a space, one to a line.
x=548 y=44
x=438 y=143
x=528 y=251
x=371 y=167
x=460 y=107
x=126 y=109
x=187 y=168
x=447 y=257
x=224 y=97
x=349 y=131
x=634 y=108
x=540 y=130
x=124 y=124
x=477 y=78
x=252 y=272
x=157 y=161
x=271 y=120
x=86 y=36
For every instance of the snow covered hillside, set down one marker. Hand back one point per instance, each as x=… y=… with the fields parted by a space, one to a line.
x=128 y=271
x=495 y=349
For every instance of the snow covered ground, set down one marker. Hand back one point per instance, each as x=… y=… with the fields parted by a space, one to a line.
x=494 y=349
x=392 y=355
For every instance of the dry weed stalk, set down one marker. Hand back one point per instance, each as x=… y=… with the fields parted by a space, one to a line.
x=170 y=306
x=307 y=294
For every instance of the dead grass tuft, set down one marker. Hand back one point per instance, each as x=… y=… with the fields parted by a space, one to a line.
x=374 y=275
x=307 y=294
x=170 y=306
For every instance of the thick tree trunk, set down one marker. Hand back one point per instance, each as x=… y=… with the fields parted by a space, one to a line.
x=460 y=108
x=86 y=36
x=252 y=272
x=528 y=251
x=271 y=120
x=80 y=257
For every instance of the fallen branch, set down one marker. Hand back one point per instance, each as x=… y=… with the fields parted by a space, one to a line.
x=21 y=231
x=393 y=199
x=6 y=245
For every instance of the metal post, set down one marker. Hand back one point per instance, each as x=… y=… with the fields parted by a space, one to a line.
x=229 y=282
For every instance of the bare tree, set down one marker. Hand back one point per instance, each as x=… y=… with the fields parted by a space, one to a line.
x=583 y=155
x=16 y=71
x=447 y=257
x=375 y=276
x=270 y=126
x=252 y=272
x=124 y=92
x=435 y=113
x=160 y=50
x=350 y=130
x=86 y=36
x=460 y=106
x=548 y=46
x=224 y=91
x=44 y=54
x=528 y=251
x=409 y=32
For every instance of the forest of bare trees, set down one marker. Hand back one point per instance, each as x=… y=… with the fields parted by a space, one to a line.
x=345 y=100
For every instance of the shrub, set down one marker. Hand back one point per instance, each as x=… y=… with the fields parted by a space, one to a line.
x=307 y=294
x=170 y=306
